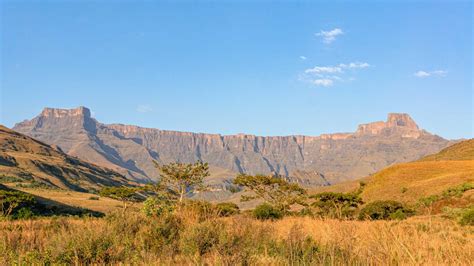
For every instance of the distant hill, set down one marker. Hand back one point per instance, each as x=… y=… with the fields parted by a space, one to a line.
x=311 y=160
x=461 y=151
x=26 y=160
x=431 y=175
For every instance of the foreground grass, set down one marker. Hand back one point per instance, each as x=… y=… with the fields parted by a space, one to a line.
x=192 y=238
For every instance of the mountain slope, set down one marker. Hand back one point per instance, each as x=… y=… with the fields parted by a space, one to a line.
x=433 y=174
x=131 y=149
x=30 y=160
x=461 y=151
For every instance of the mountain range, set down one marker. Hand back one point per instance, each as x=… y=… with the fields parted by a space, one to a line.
x=308 y=160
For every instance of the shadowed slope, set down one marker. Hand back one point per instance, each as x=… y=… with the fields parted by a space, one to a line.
x=33 y=161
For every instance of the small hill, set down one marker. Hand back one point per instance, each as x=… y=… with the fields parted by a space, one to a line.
x=461 y=151
x=431 y=175
x=408 y=182
x=27 y=161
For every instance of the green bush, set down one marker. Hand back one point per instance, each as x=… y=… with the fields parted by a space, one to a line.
x=457 y=191
x=451 y=192
x=155 y=206
x=385 y=210
x=24 y=213
x=266 y=211
x=226 y=209
x=13 y=201
x=93 y=198
x=10 y=179
x=336 y=205
x=467 y=217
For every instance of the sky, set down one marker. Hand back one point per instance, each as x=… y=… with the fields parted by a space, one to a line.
x=263 y=68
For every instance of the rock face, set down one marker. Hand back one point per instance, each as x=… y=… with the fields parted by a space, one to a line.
x=337 y=157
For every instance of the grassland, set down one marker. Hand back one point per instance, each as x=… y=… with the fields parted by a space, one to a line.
x=76 y=199
x=410 y=181
x=461 y=151
x=191 y=238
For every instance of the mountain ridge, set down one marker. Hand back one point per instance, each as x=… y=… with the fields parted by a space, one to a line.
x=131 y=149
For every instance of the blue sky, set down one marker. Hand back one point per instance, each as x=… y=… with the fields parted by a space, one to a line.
x=267 y=68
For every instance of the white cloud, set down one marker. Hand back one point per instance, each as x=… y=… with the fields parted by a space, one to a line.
x=424 y=74
x=441 y=73
x=323 y=82
x=324 y=69
x=144 y=108
x=330 y=36
x=324 y=75
x=355 y=65
x=302 y=57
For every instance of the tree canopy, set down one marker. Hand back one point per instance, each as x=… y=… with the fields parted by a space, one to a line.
x=274 y=190
x=178 y=179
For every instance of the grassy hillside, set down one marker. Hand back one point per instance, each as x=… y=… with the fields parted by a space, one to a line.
x=408 y=182
x=461 y=151
x=35 y=163
x=76 y=199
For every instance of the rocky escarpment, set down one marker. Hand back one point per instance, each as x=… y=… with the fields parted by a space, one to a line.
x=131 y=149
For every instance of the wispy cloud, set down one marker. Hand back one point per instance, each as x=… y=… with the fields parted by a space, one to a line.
x=302 y=57
x=323 y=82
x=327 y=75
x=425 y=74
x=144 y=108
x=330 y=36
x=324 y=69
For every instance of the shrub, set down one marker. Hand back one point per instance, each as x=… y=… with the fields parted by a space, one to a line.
x=266 y=211
x=93 y=198
x=385 y=210
x=457 y=191
x=336 y=205
x=13 y=201
x=226 y=209
x=155 y=206
x=24 y=213
x=467 y=217
x=10 y=179
x=451 y=192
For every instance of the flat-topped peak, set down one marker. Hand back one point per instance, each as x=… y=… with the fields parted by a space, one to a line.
x=59 y=113
x=396 y=122
x=401 y=120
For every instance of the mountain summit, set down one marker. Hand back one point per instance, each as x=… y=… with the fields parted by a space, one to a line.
x=132 y=149
x=401 y=123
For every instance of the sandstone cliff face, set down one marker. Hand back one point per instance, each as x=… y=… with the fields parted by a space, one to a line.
x=131 y=149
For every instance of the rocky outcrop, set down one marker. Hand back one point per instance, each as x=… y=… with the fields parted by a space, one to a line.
x=131 y=149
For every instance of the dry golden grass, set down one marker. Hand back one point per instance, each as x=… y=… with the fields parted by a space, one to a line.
x=407 y=182
x=135 y=239
x=463 y=150
x=76 y=199
x=428 y=241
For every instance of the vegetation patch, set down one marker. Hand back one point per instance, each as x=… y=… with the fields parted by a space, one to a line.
x=266 y=211
x=385 y=210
